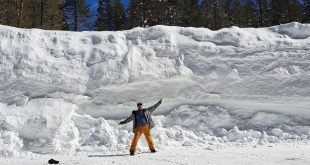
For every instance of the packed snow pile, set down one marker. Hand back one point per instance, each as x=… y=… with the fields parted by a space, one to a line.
x=66 y=92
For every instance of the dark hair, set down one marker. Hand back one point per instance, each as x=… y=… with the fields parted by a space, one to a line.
x=138 y=104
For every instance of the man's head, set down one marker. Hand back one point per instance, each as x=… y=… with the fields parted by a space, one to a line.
x=139 y=106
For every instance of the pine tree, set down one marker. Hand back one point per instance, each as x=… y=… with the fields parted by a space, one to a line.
x=42 y=5
x=206 y=13
x=306 y=11
x=145 y=13
x=85 y=16
x=196 y=16
x=264 y=12
x=249 y=14
x=217 y=14
x=28 y=14
x=229 y=12
x=172 y=15
x=2 y=14
x=136 y=16
x=8 y=12
x=133 y=13
x=100 y=22
x=119 y=15
x=294 y=11
x=20 y=5
x=78 y=15
x=214 y=14
x=239 y=18
x=31 y=13
x=109 y=15
x=190 y=13
x=63 y=8
x=157 y=13
x=140 y=13
x=52 y=17
x=279 y=11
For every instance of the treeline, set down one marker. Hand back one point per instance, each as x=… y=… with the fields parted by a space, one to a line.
x=76 y=15
x=46 y=14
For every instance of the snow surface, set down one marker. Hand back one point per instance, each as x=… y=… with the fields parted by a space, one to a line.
x=64 y=92
x=284 y=154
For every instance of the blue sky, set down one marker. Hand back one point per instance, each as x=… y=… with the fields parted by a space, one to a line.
x=94 y=4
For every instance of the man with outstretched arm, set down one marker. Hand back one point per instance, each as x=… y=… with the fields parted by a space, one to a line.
x=142 y=124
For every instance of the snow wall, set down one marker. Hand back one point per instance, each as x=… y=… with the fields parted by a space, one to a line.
x=64 y=92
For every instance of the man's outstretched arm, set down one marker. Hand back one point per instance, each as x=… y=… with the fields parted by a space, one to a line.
x=153 y=107
x=127 y=120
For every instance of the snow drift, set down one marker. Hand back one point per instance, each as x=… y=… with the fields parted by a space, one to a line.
x=66 y=91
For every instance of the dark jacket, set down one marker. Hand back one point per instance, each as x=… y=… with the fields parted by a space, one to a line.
x=147 y=112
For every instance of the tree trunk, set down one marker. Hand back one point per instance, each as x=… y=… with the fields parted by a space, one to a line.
x=41 y=14
x=215 y=15
x=109 y=14
x=75 y=16
x=33 y=16
x=19 y=16
x=260 y=12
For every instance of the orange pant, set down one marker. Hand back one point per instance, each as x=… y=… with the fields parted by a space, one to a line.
x=145 y=129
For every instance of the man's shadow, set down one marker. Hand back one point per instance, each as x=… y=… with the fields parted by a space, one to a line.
x=109 y=155
x=116 y=155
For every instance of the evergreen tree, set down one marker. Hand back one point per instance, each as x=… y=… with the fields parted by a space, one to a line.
x=206 y=13
x=190 y=13
x=100 y=22
x=306 y=11
x=135 y=14
x=249 y=14
x=109 y=14
x=78 y=15
x=133 y=10
x=153 y=12
x=171 y=15
x=20 y=5
x=51 y=16
x=214 y=14
x=31 y=13
x=2 y=15
x=279 y=11
x=217 y=14
x=229 y=11
x=140 y=12
x=264 y=12
x=42 y=5
x=238 y=14
x=158 y=12
x=63 y=8
x=28 y=14
x=294 y=11
x=119 y=15
x=8 y=12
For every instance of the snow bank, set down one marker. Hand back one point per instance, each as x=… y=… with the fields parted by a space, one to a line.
x=43 y=125
x=65 y=91
x=86 y=65
x=53 y=126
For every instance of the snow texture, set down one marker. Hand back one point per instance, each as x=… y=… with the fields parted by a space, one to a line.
x=65 y=92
